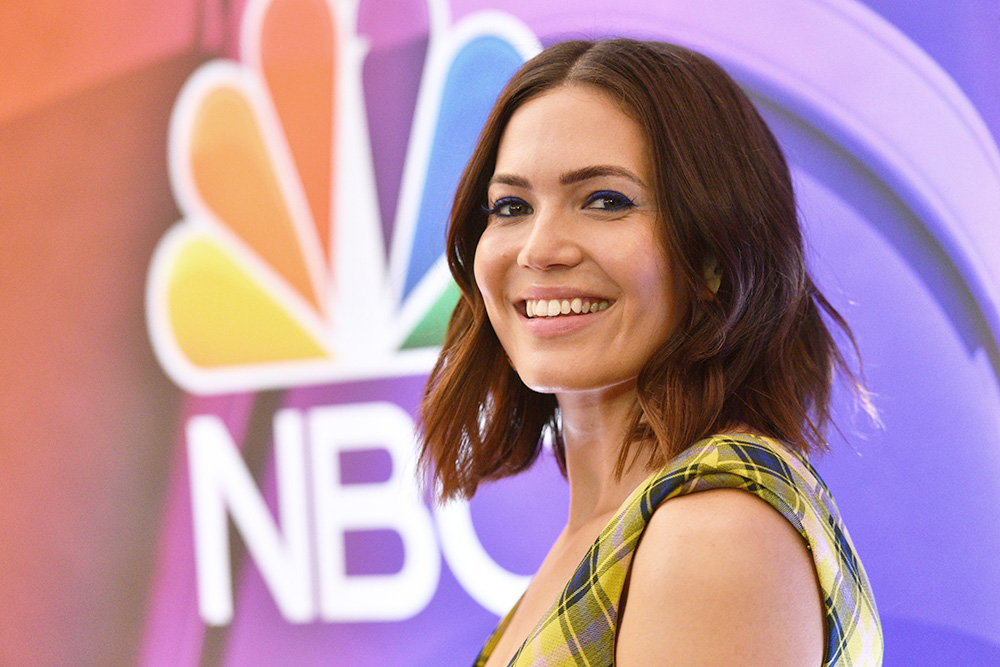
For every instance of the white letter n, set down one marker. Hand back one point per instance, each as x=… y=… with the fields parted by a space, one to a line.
x=220 y=482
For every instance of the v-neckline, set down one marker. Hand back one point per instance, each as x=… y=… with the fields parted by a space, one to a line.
x=501 y=628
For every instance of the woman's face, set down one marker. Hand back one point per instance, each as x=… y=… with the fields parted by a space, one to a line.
x=571 y=266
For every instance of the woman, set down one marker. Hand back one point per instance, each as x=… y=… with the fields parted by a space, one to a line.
x=632 y=275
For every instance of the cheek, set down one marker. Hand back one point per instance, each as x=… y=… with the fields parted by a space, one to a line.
x=487 y=269
x=489 y=266
x=481 y=267
x=656 y=282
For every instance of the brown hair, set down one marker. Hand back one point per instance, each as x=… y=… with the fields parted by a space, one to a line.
x=754 y=352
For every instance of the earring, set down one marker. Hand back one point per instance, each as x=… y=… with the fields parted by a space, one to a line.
x=713 y=274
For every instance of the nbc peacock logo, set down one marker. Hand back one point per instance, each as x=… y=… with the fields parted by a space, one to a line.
x=314 y=176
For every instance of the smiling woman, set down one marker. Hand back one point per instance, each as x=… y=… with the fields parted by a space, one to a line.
x=572 y=221
x=632 y=276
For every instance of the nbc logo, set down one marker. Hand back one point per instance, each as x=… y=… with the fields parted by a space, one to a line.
x=311 y=247
x=314 y=173
x=314 y=177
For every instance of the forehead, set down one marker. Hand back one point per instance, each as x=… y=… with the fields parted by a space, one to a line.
x=569 y=127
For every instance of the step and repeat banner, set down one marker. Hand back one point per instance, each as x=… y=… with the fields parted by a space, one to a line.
x=223 y=285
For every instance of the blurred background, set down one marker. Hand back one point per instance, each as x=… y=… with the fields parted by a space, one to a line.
x=194 y=417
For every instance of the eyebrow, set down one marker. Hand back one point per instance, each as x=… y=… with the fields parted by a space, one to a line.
x=596 y=171
x=570 y=177
x=510 y=179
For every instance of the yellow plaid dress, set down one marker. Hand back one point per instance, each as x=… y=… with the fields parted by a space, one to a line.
x=580 y=627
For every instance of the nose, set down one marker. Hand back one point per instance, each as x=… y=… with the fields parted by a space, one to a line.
x=551 y=242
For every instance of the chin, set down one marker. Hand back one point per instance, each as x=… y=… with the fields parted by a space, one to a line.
x=546 y=382
x=572 y=382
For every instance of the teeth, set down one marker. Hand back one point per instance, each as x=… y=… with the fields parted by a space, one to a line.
x=556 y=307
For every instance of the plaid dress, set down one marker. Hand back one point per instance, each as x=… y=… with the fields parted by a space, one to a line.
x=580 y=627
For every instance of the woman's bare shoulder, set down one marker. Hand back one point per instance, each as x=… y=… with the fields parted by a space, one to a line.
x=721 y=578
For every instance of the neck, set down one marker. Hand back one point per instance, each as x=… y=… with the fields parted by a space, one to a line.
x=594 y=427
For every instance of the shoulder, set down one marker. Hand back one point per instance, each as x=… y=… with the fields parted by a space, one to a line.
x=720 y=578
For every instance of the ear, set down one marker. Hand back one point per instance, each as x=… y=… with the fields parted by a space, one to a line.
x=713 y=273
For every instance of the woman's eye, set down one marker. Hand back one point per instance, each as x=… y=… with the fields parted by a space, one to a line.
x=609 y=200
x=509 y=207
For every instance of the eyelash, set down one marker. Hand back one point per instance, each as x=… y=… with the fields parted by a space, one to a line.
x=495 y=208
x=618 y=202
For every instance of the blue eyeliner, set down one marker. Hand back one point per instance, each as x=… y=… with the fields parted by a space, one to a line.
x=621 y=201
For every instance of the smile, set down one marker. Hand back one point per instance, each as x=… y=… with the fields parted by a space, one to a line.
x=560 y=307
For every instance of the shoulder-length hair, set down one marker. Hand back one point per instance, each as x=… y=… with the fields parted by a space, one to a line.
x=752 y=348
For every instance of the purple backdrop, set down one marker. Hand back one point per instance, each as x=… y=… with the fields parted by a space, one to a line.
x=888 y=113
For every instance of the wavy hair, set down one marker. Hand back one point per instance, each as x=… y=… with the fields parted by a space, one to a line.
x=752 y=347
